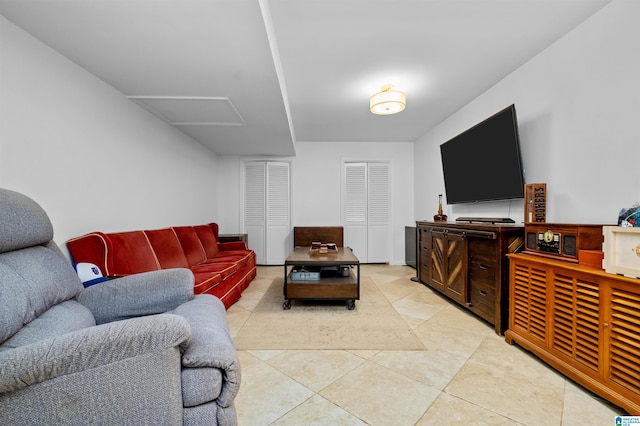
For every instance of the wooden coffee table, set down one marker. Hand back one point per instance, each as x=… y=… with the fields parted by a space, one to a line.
x=339 y=276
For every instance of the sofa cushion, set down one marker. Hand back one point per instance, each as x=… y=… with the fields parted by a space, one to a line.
x=223 y=269
x=60 y=319
x=205 y=281
x=33 y=280
x=92 y=248
x=208 y=240
x=191 y=244
x=167 y=248
x=240 y=260
x=132 y=253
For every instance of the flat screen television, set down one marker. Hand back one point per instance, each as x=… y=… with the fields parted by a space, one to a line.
x=484 y=162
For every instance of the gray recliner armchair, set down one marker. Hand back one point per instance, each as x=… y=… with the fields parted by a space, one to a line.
x=130 y=351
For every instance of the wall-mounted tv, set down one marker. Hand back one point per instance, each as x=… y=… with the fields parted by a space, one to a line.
x=484 y=163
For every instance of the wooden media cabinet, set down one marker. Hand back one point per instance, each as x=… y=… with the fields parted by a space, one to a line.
x=580 y=320
x=467 y=262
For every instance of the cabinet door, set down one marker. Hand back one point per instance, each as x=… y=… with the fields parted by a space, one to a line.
x=575 y=317
x=528 y=305
x=437 y=277
x=424 y=253
x=623 y=348
x=456 y=267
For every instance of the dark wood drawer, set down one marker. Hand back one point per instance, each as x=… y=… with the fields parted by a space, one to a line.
x=481 y=271
x=482 y=289
x=483 y=301
x=482 y=250
x=484 y=311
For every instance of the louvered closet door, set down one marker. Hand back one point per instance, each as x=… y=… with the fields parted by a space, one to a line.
x=366 y=210
x=378 y=213
x=278 y=223
x=267 y=210
x=255 y=209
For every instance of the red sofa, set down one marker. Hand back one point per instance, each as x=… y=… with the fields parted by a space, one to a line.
x=221 y=269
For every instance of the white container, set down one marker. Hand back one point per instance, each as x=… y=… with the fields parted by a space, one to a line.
x=621 y=249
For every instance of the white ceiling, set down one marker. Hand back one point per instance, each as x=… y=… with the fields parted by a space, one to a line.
x=252 y=77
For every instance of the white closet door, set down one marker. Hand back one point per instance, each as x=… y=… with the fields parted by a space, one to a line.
x=278 y=208
x=355 y=209
x=378 y=213
x=255 y=208
x=366 y=210
x=267 y=210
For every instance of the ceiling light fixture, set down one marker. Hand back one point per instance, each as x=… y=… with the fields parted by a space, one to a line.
x=387 y=101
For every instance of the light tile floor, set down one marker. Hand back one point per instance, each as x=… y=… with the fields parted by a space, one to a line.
x=467 y=375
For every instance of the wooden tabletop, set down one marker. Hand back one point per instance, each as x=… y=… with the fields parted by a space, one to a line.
x=301 y=255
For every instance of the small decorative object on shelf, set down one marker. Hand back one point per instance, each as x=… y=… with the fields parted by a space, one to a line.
x=535 y=199
x=323 y=248
x=440 y=217
x=630 y=217
x=621 y=250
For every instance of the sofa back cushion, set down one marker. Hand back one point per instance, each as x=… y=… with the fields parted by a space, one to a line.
x=33 y=280
x=207 y=239
x=167 y=248
x=191 y=245
x=132 y=253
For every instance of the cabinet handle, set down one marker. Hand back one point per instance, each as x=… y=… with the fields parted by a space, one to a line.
x=483 y=293
x=483 y=266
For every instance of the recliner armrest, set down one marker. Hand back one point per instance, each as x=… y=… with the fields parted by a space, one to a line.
x=138 y=295
x=211 y=344
x=90 y=348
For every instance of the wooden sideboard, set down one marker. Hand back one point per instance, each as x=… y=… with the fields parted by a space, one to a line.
x=467 y=262
x=582 y=321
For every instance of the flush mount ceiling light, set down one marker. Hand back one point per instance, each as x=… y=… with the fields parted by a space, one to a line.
x=387 y=101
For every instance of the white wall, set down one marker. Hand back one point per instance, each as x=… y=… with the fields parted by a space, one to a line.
x=316 y=179
x=578 y=106
x=317 y=184
x=90 y=157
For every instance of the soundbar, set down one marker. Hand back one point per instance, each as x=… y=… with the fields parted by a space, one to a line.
x=486 y=219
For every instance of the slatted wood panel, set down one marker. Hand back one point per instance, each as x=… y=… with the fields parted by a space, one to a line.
x=438 y=256
x=456 y=285
x=593 y=326
x=530 y=300
x=625 y=339
x=576 y=320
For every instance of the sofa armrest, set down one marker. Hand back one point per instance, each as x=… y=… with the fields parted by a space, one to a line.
x=211 y=344
x=233 y=245
x=138 y=295
x=89 y=348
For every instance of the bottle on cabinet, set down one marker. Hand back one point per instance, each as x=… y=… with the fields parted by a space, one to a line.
x=440 y=217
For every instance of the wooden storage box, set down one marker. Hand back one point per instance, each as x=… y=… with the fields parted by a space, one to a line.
x=590 y=258
x=621 y=250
